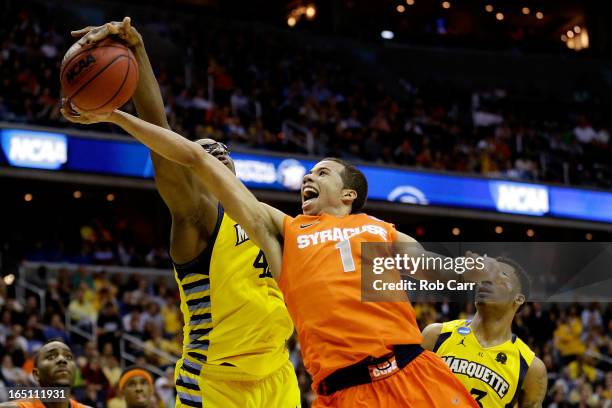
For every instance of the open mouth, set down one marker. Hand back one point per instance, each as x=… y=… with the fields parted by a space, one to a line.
x=309 y=194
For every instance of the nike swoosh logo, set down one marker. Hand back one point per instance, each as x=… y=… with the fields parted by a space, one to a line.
x=302 y=226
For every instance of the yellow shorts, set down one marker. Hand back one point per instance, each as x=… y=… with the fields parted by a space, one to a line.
x=220 y=387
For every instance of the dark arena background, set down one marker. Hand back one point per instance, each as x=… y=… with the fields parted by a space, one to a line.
x=473 y=121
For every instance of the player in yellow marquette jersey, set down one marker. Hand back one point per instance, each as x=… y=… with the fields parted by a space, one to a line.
x=236 y=323
x=496 y=367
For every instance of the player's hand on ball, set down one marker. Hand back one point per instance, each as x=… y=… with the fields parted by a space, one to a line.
x=122 y=30
x=72 y=114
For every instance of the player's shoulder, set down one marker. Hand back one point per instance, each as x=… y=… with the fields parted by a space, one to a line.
x=360 y=219
x=372 y=218
x=524 y=350
x=537 y=368
x=435 y=334
x=430 y=335
x=300 y=220
x=452 y=325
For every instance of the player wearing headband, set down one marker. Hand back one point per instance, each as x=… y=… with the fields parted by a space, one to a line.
x=136 y=385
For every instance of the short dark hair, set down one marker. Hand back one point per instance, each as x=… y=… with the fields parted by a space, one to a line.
x=521 y=275
x=354 y=179
x=52 y=340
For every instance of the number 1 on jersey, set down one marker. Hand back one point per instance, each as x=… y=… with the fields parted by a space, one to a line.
x=346 y=254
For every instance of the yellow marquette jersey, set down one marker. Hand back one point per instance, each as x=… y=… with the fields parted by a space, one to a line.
x=493 y=375
x=234 y=313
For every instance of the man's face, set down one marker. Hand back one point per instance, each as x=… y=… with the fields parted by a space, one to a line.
x=56 y=366
x=499 y=286
x=137 y=392
x=322 y=187
x=219 y=150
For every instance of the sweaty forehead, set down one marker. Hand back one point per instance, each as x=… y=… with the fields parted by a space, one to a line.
x=137 y=380
x=55 y=346
x=333 y=166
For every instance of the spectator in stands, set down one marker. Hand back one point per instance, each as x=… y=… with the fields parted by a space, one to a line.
x=583 y=367
x=6 y=322
x=152 y=316
x=56 y=329
x=173 y=319
x=111 y=370
x=20 y=340
x=92 y=396
x=567 y=336
x=95 y=381
x=105 y=294
x=158 y=343
x=13 y=375
x=34 y=337
x=54 y=299
x=142 y=291
x=165 y=388
x=109 y=326
x=83 y=279
x=591 y=317
x=32 y=307
x=133 y=322
x=158 y=258
x=81 y=311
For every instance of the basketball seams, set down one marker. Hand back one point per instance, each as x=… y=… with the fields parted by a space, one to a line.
x=78 y=54
x=120 y=88
x=97 y=74
x=102 y=88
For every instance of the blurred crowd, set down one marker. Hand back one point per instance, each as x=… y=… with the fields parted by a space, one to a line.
x=92 y=312
x=97 y=242
x=265 y=90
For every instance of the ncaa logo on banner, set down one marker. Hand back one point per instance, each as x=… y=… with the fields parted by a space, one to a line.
x=408 y=195
x=520 y=198
x=39 y=150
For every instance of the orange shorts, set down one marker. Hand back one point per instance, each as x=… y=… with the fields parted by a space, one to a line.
x=426 y=382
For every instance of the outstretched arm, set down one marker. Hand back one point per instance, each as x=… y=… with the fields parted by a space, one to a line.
x=263 y=225
x=408 y=245
x=192 y=207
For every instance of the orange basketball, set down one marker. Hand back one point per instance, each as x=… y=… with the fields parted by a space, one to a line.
x=99 y=77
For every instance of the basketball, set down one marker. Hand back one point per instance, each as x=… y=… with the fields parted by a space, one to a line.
x=99 y=77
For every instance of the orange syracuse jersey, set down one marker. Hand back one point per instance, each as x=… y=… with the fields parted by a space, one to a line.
x=321 y=283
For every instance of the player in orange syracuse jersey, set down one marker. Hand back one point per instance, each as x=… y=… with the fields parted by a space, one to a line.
x=359 y=354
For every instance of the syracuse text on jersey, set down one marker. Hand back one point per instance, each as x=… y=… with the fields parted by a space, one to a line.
x=337 y=235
